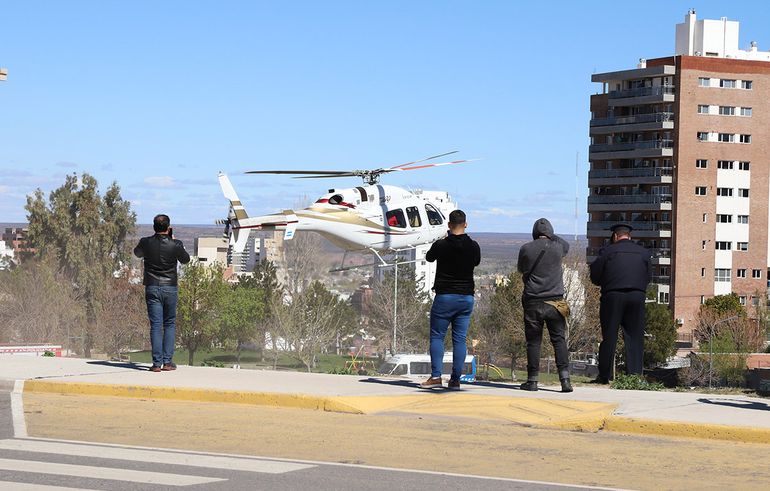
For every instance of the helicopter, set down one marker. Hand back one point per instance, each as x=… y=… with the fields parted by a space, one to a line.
x=373 y=217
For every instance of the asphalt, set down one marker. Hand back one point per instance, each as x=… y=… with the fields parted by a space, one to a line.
x=588 y=408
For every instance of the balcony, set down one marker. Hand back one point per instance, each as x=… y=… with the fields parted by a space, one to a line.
x=642 y=95
x=661 y=280
x=631 y=175
x=631 y=150
x=629 y=202
x=642 y=230
x=638 y=122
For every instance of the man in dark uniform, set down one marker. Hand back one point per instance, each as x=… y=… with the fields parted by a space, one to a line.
x=161 y=253
x=623 y=271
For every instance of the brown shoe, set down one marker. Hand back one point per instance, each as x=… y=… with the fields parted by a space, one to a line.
x=169 y=367
x=155 y=368
x=454 y=384
x=432 y=383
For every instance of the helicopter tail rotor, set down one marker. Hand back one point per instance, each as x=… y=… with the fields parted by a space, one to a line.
x=232 y=231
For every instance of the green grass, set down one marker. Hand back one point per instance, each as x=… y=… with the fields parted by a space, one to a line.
x=251 y=359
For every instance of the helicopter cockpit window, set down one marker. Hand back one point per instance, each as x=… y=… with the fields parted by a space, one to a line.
x=434 y=217
x=395 y=218
x=336 y=199
x=414 y=217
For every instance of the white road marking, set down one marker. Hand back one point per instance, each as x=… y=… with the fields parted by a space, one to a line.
x=25 y=486
x=355 y=466
x=17 y=410
x=109 y=473
x=154 y=456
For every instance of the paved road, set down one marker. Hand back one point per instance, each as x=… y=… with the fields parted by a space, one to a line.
x=50 y=465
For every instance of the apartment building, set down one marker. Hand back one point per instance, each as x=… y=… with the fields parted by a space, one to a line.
x=680 y=151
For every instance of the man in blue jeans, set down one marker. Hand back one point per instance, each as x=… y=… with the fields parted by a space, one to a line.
x=161 y=253
x=457 y=256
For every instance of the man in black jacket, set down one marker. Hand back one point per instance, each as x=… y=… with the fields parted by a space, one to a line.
x=161 y=253
x=543 y=301
x=623 y=270
x=457 y=256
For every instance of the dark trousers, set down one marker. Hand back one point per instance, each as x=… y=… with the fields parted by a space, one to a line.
x=161 y=309
x=537 y=313
x=622 y=309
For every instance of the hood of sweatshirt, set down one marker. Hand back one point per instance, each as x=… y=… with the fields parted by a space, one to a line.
x=542 y=227
x=457 y=240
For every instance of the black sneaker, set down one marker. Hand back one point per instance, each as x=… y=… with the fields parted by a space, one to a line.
x=530 y=385
x=566 y=386
x=454 y=384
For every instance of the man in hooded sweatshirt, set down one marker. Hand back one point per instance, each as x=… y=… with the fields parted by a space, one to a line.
x=457 y=256
x=543 y=301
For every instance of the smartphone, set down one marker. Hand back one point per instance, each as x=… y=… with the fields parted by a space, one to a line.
x=170 y=233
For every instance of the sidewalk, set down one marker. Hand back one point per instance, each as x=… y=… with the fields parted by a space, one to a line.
x=589 y=408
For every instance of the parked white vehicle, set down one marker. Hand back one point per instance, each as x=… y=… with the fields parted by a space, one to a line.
x=419 y=366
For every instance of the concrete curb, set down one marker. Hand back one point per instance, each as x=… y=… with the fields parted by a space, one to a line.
x=618 y=424
x=531 y=412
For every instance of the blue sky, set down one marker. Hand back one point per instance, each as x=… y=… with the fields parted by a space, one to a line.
x=160 y=96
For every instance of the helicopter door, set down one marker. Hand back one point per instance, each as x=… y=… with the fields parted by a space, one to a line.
x=434 y=216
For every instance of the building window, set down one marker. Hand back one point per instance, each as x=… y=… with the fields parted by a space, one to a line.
x=722 y=275
x=723 y=245
x=703 y=108
x=743 y=193
x=754 y=301
x=756 y=273
x=727 y=83
x=703 y=136
x=742 y=246
x=702 y=299
x=724 y=218
x=700 y=190
x=742 y=299
x=703 y=272
x=743 y=219
x=726 y=137
x=701 y=163
x=724 y=191
x=744 y=165
x=745 y=111
x=741 y=273
x=727 y=110
x=704 y=81
x=725 y=164
x=663 y=297
x=746 y=84
x=703 y=244
x=745 y=139
x=705 y=217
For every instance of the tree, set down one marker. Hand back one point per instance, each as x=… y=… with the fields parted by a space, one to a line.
x=265 y=281
x=38 y=305
x=310 y=321
x=411 y=306
x=583 y=324
x=242 y=311
x=123 y=316
x=303 y=259
x=660 y=345
x=86 y=234
x=505 y=325
x=201 y=293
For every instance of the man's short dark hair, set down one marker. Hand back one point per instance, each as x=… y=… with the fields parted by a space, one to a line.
x=161 y=223
x=457 y=217
x=622 y=230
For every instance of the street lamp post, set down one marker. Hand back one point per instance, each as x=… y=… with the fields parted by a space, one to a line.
x=711 y=344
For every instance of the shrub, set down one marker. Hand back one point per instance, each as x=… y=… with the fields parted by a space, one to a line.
x=634 y=382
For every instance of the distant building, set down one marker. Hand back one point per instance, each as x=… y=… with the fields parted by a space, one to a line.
x=679 y=150
x=16 y=239
x=6 y=256
x=210 y=250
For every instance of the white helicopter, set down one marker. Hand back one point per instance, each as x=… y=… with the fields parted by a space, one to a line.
x=373 y=217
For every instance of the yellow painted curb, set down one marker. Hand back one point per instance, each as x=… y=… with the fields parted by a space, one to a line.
x=299 y=401
x=692 y=430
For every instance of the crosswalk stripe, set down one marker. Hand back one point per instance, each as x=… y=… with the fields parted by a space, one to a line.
x=155 y=457
x=28 y=486
x=109 y=473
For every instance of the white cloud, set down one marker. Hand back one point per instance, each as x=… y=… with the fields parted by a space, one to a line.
x=4 y=189
x=159 y=181
x=511 y=213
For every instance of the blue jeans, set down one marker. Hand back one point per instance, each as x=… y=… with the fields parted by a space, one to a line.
x=455 y=309
x=161 y=309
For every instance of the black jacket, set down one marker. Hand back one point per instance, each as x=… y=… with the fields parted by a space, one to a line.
x=457 y=256
x=545 y=281
x=623 y=265
x=160 y=253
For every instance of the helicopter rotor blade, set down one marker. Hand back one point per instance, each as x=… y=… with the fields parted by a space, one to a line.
x=425 y=159
x=425 y=166
x=290 y=172
x=346 y=174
